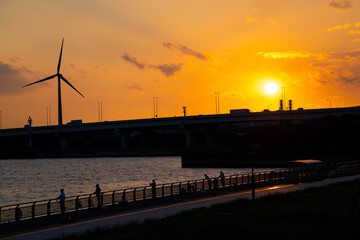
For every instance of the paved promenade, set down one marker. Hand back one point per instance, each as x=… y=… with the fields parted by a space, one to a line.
x=167 y=210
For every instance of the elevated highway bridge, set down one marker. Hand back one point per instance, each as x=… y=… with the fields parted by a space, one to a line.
x=197 y=138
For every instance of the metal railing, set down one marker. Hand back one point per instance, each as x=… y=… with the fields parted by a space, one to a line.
x=47 y=207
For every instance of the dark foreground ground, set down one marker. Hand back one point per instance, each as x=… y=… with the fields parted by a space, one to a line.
x=317 y=213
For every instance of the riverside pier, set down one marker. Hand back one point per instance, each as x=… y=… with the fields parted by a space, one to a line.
x=228 y=140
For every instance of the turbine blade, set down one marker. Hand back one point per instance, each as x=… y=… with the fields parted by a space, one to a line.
x=59 y=64
x=42 y=80
x=71 y=85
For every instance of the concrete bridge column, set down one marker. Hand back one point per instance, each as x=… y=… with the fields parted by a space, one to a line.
x=123 y=139
x=64 y=143
x=188 y=138
x=210 y=139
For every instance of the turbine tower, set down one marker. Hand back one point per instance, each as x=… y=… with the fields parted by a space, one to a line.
x=60 y=77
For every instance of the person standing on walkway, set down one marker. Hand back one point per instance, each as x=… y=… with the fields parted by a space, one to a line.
x=153 y=188
x=98 y=195
x=208 y=180
x=222 y=178
x=216 y=185
x=18 y=213
x=61 y=198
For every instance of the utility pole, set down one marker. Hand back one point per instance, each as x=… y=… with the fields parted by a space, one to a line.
x=184 y=109
x=30 y=140
x=100 y=112
x=217 y=102
x=284 y=98
x=329 y=102
x=156 y=107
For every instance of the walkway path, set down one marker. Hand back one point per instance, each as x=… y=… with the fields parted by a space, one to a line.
x=168 y=210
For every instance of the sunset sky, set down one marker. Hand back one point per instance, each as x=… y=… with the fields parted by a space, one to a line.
x=124 y=53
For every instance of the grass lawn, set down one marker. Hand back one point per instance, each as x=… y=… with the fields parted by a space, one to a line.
x=317 y=213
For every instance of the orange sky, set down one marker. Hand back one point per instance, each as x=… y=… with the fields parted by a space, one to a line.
x=124 y=53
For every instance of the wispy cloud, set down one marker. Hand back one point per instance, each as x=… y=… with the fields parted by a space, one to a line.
x=342 y=67
x=133 y=60
x=340 y=5
x=272 y=21
x=167 y=69
x=134 y=86
x=80 y=71
x=252 y=18
x=12 y=78
x=354 y=32
x=185 y=50
x=234 y=95
x=338 y=27
x=287 y=54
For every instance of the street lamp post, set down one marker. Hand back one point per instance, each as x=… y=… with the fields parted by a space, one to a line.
x=329 y=102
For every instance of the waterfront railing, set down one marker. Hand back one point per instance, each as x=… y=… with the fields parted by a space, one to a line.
x=48 y=207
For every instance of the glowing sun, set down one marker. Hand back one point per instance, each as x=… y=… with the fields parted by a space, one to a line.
x=271 y=88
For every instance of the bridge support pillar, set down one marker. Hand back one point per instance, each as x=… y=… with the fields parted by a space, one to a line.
x=64 y=143
x=188 y=138
x=123 y=141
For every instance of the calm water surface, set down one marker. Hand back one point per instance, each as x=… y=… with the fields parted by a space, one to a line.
x=36 y=179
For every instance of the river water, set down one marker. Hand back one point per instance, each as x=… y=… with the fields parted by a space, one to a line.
x=37 y=179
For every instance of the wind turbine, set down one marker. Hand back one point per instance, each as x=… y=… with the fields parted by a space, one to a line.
x=60 y=77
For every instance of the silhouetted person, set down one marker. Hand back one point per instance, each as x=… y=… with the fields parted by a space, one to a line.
x=18 y=213
x=222 y=178
x=153 y=188
x=271 y=175
x=216 y=185
x=98 y=195
x=61 y=198
x=208 y=180
x=188 y=185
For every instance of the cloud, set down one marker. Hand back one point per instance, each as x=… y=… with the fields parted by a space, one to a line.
x=185 y=50
x=12 y=78
x=254 y=19
x=80 y=71
x=133 y=60
x=287 y=54
x=343 y=67
x=354 y=32
x=234 y=95
x=134 y=86
x=168 y=69
x=325 y=67
x=338 y=27
x=270 y=21
x=340 y=5
x=343 y=56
